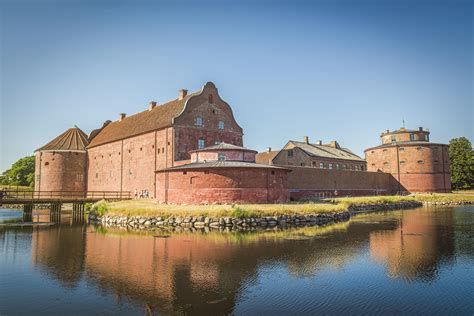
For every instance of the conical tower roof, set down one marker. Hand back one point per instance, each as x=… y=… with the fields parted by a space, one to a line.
x=72 y=139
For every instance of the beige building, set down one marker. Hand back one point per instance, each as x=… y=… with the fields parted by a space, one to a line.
x=316 y=155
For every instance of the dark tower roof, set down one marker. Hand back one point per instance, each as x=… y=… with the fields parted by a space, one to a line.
x=72 y=139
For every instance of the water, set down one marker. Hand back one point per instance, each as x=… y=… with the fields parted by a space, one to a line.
x=404 y=262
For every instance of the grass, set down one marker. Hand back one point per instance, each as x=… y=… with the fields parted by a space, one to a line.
x=152 y=208
x=14 y=187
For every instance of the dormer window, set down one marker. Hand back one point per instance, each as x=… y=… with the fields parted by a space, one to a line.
x=221 y=157
x=220 y=125
x=290 y=153
x=199 y=121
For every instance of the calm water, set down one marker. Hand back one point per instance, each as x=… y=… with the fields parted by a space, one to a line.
x=409 y=262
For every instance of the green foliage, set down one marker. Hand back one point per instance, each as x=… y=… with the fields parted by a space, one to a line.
x=88 y=207
x=100 y=208
x=462 y=163
x=22 y=172
x=238 y=212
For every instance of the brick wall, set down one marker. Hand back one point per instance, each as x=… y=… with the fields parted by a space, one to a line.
x=60 y=171
x=225 y=185
x=419 y=168
x=305 y=182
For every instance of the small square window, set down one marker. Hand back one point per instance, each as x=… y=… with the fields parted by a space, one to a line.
x=199 y=121
x=290 y=153
x=221 y=156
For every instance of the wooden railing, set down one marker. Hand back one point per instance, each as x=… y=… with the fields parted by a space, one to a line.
x=63 y=195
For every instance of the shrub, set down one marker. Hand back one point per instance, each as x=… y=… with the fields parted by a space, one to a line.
x=100 y=208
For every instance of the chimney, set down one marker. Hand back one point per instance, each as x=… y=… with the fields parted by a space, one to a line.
x=269 y=149
x=182 y=94
x=306 y=139
x=151 y=105
x=420 y=129
x=319 y=142
x=334 y=144
x=122 y=116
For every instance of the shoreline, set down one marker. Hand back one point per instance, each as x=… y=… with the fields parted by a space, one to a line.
x=227 y=223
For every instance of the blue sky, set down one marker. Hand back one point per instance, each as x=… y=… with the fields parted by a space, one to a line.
x=332 y=70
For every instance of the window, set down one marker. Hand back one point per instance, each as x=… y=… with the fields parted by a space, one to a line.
x=221 y=156
x=427 y=137
x=46 y=163
x=412 y=136
x=199 y=121
x=362 y=168
x=394 y=139
x=420 y=162
x=402 y=149
x=357 y=167
x=210 y=99
x=402 y=161
x=321 y=165
x=314 y=164
x=337 y=166
x=330 y=166
x=273 y=172
x=220 y=125
x=79 y=177
x=290 y=153
x=385 y=163
x=302 y=164
x=201 y=143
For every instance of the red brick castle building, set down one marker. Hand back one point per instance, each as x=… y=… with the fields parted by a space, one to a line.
x=126 y=154
x=190 y=150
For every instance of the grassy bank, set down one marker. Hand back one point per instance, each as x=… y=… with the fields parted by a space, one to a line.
x=152 y=208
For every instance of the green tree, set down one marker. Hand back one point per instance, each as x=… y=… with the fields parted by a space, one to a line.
x=22 y=172
x=462 y=163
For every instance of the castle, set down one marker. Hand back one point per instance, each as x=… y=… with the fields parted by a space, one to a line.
x=190 y=150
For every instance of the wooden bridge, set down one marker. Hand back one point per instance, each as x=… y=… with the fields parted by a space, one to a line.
x=55 y=199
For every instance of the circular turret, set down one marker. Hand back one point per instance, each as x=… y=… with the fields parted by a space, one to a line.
x=415 y=164
x=61 y=164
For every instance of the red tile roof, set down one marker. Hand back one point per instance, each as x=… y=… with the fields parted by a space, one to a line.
x=141 y=123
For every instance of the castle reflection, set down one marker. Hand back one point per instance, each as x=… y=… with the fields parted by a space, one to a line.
x=207 y=273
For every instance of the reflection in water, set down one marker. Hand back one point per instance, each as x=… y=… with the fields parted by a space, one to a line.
x=416 y=246
x=214 y=273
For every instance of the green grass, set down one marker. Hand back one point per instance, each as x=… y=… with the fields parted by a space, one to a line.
x=152 y=208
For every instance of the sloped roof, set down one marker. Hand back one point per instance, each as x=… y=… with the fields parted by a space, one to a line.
x=266 y=157
x=326 y=151
x=150 y=120
x=220 y=164
x=223 y=146
x=72 y=139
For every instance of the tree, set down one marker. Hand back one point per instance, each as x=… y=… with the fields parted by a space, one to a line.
x=22 y=172
x=462 y=163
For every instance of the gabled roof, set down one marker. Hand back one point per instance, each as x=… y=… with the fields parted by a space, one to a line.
x=326 y=151
x=150 y=120
x=266 y=157
x=72 y=139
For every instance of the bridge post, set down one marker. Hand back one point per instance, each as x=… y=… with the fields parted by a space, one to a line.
x=27 y=212
x=55 y=212
x=78 y=212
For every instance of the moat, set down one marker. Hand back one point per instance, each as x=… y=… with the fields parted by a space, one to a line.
x=399 y=262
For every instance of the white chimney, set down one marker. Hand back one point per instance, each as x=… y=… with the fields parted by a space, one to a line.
x=151 y=105
x=182 y=94
x=122 y=116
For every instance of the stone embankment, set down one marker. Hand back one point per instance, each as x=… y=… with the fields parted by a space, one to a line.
x=230 y=223
x=448 y=203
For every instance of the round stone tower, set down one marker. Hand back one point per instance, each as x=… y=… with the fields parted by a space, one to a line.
x=416 y=164
x=61 y=164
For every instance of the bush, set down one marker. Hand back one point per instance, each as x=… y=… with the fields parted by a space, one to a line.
x=100 y=208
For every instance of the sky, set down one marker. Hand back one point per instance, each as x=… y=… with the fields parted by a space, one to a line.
x=330 y=70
